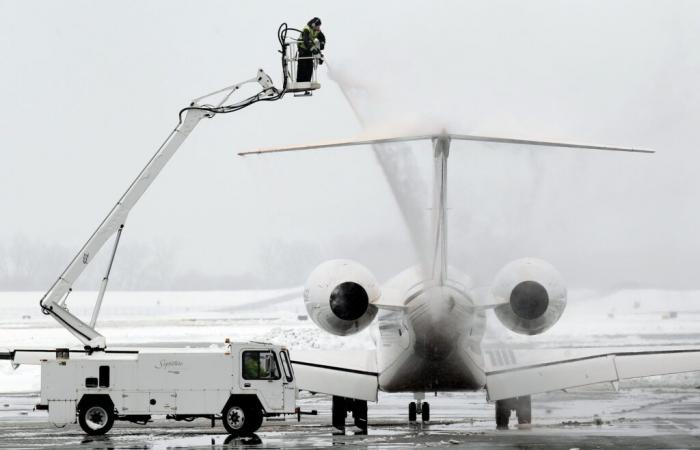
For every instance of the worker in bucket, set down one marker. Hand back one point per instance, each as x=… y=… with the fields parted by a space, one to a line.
x=310 y=43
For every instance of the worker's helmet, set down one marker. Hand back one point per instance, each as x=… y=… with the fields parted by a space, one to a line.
x=314 y=22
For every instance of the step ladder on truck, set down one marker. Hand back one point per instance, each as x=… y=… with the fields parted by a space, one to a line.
x=238 y=383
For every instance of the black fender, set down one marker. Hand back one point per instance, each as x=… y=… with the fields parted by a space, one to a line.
x=96 y=399
x=250 y=400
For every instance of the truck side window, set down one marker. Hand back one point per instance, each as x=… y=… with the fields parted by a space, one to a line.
x=104 y=376
x=286 y=366
x=260 y=365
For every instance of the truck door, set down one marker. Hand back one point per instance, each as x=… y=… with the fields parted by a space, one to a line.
x=290 y=389
x=260 y=374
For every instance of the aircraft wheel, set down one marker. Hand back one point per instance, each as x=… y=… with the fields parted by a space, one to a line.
x=502 y=414
x=412 y=412
x=425 y=412
x=523 y=409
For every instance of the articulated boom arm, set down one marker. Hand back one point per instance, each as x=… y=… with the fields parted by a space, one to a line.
x=54 y=301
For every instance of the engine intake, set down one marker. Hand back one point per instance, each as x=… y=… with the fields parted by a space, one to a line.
x=338 y=297
x=532 y=296
x=349 y=301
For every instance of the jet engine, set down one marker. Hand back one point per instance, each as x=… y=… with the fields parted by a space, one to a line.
x=532 y=296
x=338 y=296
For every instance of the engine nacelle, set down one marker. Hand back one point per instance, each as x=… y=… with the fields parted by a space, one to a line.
x=532 y=293
x=338 y=296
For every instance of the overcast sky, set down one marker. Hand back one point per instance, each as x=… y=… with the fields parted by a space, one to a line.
x=90 y=89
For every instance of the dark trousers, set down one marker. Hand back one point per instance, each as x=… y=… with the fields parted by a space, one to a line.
x=305 y=67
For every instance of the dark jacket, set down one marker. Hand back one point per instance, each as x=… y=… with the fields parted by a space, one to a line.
x=306 y=40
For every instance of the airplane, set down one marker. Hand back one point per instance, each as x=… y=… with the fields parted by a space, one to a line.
x=428 y=322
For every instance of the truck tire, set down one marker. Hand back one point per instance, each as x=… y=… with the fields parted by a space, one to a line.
x=96 y=418
x=255 y=421
x=242 y=420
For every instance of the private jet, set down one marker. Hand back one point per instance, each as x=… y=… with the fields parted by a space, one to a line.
x=428 y=322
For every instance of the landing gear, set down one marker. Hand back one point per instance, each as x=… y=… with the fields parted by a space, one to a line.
x=419 y=407
x=341 y=406
x=522 y=407
x=412 y=410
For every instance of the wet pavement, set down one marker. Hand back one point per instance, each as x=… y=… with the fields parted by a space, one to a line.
x=635 y=417
x=654 y=413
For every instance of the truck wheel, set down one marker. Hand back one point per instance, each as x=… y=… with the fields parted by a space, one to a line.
x=96 y=418
x=255 y=419
x=242 y=420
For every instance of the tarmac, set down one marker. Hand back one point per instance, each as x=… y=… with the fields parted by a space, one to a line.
x=635 y=417
x=653 y=413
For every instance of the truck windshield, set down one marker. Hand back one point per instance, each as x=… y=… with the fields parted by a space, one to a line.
x=286 y=366
x=260 y=365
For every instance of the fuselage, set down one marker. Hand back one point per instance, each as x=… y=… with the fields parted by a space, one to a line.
x=434 y=343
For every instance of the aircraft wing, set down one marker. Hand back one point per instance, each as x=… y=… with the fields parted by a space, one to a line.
x=570 y=373
x=350 y=373
x=392 y=299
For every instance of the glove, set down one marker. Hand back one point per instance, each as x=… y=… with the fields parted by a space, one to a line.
x=315 y=51
x=320 y=62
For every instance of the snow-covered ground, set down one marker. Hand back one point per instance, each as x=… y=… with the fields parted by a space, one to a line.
x=592 y=323
x=163 y=319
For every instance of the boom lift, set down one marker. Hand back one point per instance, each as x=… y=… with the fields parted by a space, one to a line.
x=54 y=302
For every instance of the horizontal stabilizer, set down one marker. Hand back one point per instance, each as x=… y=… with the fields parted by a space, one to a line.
x=343 y=143
x=420 y=137
x=499 y=140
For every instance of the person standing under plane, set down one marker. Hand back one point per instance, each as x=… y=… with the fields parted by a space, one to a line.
x=310 y=43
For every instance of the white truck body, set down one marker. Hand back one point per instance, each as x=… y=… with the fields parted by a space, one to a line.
x=179 y=383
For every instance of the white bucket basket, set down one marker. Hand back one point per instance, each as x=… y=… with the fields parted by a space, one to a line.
x=292 y=57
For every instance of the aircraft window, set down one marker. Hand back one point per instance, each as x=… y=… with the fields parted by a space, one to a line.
x=286 y=366
x=260 y=365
